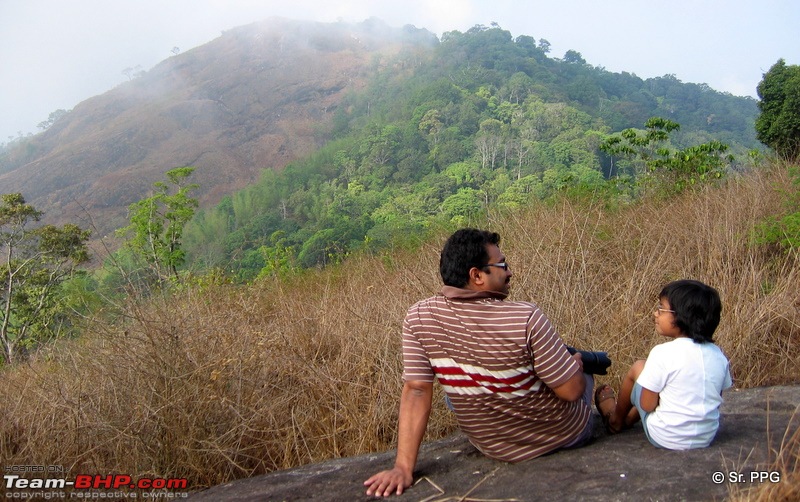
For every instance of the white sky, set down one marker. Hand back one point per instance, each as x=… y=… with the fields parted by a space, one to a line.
x=56 y=53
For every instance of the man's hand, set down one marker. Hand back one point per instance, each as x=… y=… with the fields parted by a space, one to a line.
x=415 y=407
x=577 y=357
x=385 y=482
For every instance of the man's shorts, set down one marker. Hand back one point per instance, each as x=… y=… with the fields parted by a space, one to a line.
x=586 y=434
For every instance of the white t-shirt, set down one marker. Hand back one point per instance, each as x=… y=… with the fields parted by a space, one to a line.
x=689 y=378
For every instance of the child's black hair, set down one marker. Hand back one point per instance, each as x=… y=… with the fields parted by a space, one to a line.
x=697 y=308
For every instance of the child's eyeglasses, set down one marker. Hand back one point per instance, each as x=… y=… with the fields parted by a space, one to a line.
x=662 y=310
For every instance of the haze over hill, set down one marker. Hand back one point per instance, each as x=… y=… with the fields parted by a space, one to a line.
x=263 y=95
x=257 y=97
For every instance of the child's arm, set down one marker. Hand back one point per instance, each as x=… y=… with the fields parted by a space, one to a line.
x=649 y=400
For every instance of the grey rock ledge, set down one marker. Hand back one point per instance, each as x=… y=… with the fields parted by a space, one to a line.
x=621 y=467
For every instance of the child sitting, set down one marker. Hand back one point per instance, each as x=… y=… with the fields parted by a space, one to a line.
x=678 y=390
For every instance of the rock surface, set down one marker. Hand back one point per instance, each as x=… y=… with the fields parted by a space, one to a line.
x=622 y=467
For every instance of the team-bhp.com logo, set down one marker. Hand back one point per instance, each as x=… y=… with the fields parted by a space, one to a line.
x=93 y=486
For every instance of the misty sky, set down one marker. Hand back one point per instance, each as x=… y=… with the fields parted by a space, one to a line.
x=56 y=53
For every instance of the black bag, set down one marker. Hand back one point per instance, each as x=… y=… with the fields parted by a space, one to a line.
x=594 y=363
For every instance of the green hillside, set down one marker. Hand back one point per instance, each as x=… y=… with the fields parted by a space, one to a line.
x=480 y=123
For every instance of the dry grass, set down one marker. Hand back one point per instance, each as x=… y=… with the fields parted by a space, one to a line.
x=597 y=274
x=225 y=382
x=786 y=463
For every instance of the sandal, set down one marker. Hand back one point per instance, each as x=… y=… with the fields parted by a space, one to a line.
x=602 y=394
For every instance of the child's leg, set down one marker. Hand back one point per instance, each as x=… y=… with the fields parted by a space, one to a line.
x=625 y=414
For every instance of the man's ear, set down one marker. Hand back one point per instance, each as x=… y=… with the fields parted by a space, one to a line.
x=476 y=276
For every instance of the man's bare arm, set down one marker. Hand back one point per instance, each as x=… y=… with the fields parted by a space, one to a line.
x=572 y=389
x=415 y=408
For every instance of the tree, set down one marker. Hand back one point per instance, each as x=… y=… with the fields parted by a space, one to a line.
x=676 y=170
x=544 y=45
x=778 y=126
x=463 y=205
x=643 y=145
x=133 y=72
x=518 y=87
x=157 y=223
x=521 y=192
x=279 y=256
x=488 y=142
x=52 y=118
x=431 y=125
x=784 y=230
x=574 y=57
x=37 y=261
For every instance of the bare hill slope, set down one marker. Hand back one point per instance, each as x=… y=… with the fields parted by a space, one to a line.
x=256 y=97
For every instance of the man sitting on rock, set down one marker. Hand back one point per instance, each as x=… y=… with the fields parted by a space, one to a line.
x=516 y=391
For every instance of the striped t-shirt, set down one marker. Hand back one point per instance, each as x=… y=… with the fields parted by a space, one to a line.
x=497 y=361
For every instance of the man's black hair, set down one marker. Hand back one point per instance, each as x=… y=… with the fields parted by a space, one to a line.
x=465 y=249
x=697 y=308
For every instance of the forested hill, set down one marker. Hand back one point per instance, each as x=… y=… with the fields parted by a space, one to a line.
x=363 y=133
x=481 y=122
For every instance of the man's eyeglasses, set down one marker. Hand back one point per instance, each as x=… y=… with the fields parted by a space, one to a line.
x=502 y=265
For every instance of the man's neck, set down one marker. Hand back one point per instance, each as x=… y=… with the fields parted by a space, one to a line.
x=466 y=293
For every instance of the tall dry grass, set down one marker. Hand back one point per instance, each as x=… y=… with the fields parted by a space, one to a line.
x=785 y=463
x=223 y=382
